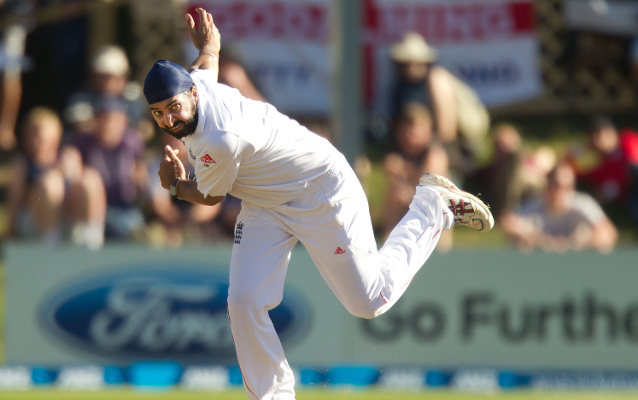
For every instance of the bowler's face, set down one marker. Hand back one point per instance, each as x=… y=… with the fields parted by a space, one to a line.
x=177 y=115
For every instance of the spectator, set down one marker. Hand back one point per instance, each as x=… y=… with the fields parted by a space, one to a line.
x=233 y=74
x=50 y=187
x=456 y=108
x=11 y=63
x=417 y=152
x=108 y=78
x=500 y=178
x=176 y=215
x=513 y=175
x=562 y=219
x=117 y=153
x=534 y=170
x=615 y=179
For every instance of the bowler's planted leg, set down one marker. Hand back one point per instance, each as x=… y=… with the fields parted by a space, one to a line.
x=258 y=267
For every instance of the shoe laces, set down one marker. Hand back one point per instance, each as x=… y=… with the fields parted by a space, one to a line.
x=461 y=208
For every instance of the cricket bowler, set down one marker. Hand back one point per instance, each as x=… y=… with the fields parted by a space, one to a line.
x=295 y=187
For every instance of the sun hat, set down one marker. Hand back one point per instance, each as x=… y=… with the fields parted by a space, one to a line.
x=412 y=48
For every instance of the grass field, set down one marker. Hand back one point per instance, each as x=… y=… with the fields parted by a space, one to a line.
x=311 y=394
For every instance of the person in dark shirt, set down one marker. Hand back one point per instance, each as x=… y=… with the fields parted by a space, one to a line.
x=459 y=119
x=615 y=178
x=117 y=153
x=416 y=153
x=109 y=77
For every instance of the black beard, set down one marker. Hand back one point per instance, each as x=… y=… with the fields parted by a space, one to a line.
x=187 y=129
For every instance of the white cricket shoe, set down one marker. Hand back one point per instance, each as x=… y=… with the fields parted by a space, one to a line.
x=468 y=209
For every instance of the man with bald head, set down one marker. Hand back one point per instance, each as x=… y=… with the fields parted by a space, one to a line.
x=294 y=186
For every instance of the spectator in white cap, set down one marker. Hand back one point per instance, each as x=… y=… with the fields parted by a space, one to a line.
x=108 y=79
x=110 y=69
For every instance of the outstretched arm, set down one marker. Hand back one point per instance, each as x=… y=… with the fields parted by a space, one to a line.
x=206 y=39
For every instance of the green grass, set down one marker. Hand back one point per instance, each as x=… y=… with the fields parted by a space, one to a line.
x=125 y=394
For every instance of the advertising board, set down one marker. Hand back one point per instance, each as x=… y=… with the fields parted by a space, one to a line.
x=285 y=45
x=499 y=309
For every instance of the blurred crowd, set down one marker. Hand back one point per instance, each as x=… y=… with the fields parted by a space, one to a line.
x=541 y=198
x=89 y=173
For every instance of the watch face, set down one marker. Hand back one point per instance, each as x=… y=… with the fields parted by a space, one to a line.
x=174 y=188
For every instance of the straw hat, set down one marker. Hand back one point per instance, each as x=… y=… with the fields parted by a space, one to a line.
x=412 y=48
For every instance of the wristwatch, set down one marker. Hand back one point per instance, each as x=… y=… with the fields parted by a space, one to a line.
x=174 y=188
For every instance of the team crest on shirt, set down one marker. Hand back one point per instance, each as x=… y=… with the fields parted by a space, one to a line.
x=239 y=231
x=207 y=160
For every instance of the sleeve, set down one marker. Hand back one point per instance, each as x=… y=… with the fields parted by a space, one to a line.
x=217 y=165
x=207 y=75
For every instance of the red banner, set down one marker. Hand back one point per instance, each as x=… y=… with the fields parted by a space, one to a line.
x=270 y=20
x=448 y=23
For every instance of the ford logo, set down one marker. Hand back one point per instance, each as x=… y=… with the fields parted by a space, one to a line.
x=158 y=314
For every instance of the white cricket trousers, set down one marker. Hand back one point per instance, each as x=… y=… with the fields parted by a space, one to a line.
x=332 y=220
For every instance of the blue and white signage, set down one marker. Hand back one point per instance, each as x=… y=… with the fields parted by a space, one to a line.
x=157 y=313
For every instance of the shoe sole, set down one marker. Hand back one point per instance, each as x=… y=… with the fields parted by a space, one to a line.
x=438 y=180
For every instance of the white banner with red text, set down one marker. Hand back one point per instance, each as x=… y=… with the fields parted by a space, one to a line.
x=284 y=45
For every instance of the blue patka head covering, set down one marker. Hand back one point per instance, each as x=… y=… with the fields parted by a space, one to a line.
x=166 y=79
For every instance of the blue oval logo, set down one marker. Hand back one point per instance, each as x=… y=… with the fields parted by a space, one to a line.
x=156 y=313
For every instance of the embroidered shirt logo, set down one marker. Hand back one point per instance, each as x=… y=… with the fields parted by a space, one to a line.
x=207 y=160
x=191 y=154
x=239 y=230
x=340 y=251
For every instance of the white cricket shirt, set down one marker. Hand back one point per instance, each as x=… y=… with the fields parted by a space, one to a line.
x=248 y=149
